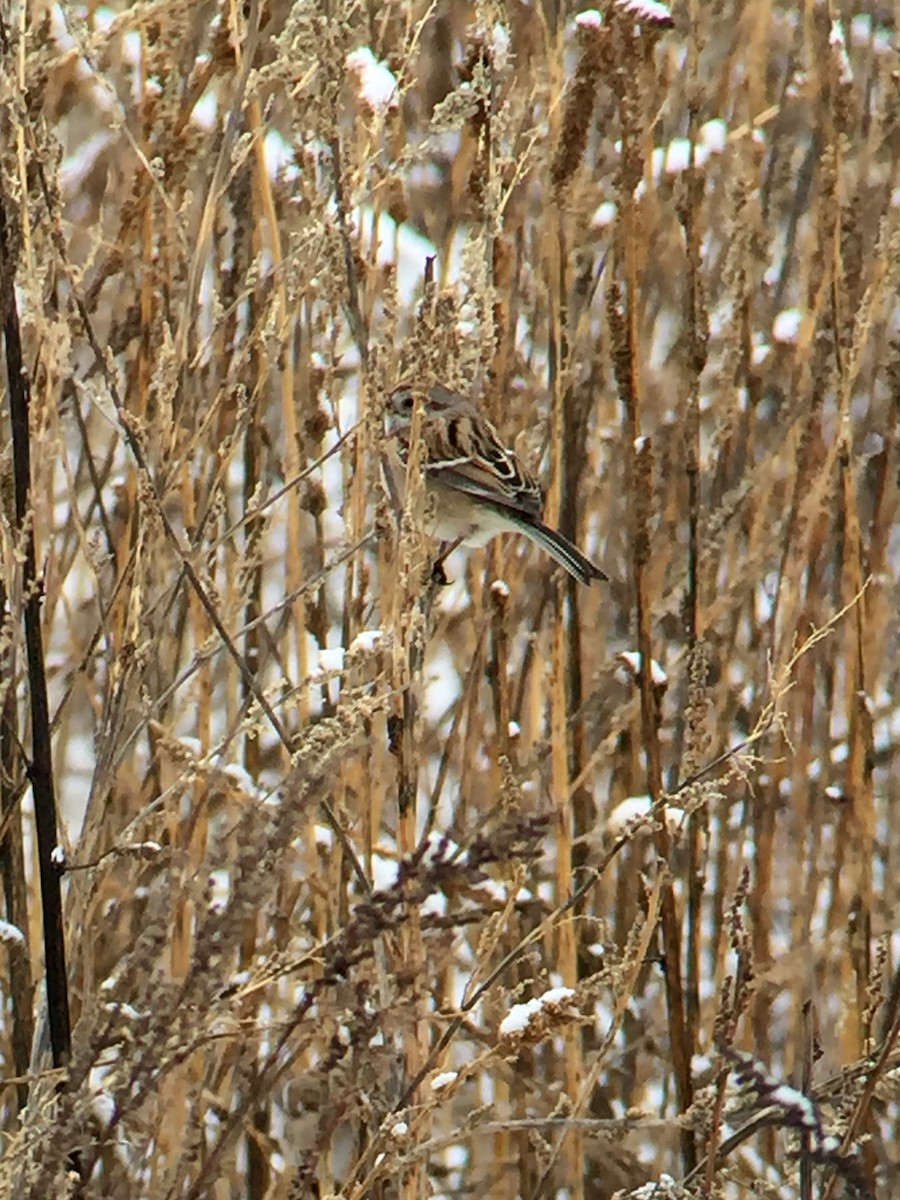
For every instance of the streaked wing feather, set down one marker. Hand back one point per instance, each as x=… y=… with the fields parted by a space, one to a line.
x=482 y=484
x=464 y=452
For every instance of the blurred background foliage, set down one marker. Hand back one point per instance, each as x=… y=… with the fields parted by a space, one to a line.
x=325 y=823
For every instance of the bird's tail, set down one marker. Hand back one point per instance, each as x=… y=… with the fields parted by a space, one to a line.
x=565 y=553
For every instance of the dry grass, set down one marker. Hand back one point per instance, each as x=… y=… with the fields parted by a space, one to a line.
x=299 y=890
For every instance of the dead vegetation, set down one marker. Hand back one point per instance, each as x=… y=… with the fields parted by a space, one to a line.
x=305 y=888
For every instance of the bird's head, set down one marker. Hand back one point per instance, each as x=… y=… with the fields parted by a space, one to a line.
x=399 y=410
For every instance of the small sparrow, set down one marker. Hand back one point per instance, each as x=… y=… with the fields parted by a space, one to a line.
x=479 y=487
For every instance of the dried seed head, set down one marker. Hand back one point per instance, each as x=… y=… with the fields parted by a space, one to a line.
x=579 y=105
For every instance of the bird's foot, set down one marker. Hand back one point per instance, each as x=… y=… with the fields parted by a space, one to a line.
x=438 y=574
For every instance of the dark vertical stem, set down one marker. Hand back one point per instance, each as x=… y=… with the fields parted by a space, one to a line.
x=41 y=769
x=500 y=666
x=584 y=809
x=12 y=857
x=12 y=868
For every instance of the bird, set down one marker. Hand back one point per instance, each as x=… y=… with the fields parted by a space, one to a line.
x=480 y=488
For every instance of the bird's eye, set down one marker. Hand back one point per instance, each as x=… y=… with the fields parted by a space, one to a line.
x=407 y=401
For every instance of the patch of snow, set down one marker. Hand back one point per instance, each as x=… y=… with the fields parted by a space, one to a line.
x=678 y=155
x=11 y=935
x=632 y=660
x=443 y=1080
x=281 y=162
x=323 y=836
x=103 y=1107
x=520 y=1016
x=648 y=10
x=761 y=350
x=384 y=872
x=442 y=687
x=628 y=810
x=589 y=19
x=366 y=642
x=714 y=135
x=786 y=326
x=331 y=659
x=434 y=905
x=604 y=214
x=377 y=83
x=205 y=113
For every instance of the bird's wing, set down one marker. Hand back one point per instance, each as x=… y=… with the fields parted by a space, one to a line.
x=464 y=452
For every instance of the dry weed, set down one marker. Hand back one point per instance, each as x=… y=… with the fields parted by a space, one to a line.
x=372 y=888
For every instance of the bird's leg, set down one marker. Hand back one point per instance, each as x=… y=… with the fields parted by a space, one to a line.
x=438 y=574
